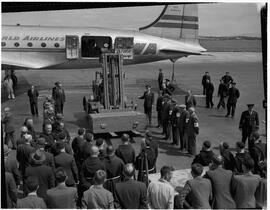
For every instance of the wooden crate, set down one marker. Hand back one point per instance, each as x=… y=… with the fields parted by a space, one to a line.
x=117 y=121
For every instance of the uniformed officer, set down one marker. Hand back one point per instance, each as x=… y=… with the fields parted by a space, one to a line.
x=205 y=77
x=159 y=107
x=192 y=130
x=249 y=123
x=209 y=90
x=234 y=94
x=183 y=126
x=166 y=116
x=175 y=124
x=222 y=93
x=148 y=97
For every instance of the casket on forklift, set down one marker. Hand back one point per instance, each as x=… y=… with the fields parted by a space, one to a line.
x=116 y=121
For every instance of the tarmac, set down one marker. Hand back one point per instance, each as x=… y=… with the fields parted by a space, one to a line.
x=245 y=68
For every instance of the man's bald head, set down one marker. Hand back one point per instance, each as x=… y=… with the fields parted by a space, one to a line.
x=94 y=151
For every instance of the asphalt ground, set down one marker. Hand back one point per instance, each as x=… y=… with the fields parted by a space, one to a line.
x=245 y=68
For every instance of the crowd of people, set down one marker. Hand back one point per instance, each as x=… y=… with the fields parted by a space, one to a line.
x=49 y=169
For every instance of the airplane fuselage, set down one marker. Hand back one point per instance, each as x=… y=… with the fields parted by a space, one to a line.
x=35 y=47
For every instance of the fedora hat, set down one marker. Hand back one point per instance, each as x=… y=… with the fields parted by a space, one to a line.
x=38 y=157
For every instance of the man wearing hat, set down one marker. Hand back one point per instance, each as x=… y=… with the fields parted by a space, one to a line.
x=41 y=143
x=148 y=97
x=192 y=131
x=175 y=124
x=209 y=90
x=153 y=144
x=222 y=93
x=58 y=95
x=234 y=94
x=166 y=116
x=33 y=98
x=227 y=79
x=169 y=86
x=249 y=123
x=160 y=79
x=44 y=173
x=159 y=107
x=184 y=118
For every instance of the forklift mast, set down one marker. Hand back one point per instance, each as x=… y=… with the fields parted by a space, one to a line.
x=112 y=72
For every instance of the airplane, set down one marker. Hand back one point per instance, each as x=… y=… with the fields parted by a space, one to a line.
x=173 y=35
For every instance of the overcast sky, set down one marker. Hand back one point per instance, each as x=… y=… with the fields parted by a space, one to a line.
x=219 y=19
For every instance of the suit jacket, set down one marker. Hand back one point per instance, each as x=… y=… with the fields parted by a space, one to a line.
x=221 y=184
x=209 y=88
x=148 y=99
x=62 y=197
x=183 y=121
x=31 y=202
x=201 y=192
x=204 y=158
x=243 y=190
x=204 y=78
x=33 y=96
x=58 y=95
x=45 y=176
x=160 y=77
x=234 y=94
x=49 y=160
x=126 y=153
x=114 y=166
x=8 y=122
x=68 y=163
x=89 y=168
x=249 y=122
x=131 y=194
x=23 y=156
x=11 y=190
x=239 y=160
x=159 y=103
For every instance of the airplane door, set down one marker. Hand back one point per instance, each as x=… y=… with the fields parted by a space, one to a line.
x=72 y=47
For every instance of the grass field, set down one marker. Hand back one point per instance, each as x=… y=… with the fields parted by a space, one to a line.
x=232 y=45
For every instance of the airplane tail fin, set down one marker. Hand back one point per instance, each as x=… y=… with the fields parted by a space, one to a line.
x=178 y=22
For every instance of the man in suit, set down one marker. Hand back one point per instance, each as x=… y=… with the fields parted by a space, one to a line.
x=114 y=167
x=161 y=194
x=205 y=156
x=166 y=113
x=240 y=157
x=221 y=184
x=33 y=98
x=131 y=194
x=198 y=189
x=61 y=197
x=227 y=79
x=175 y=124
x=23 y=153
x=222 y=93
x=159 y=107
x=58 y=95
x=249 y=123
x=160 y=79
x=192 y=131
x=77 y=144
x=48 y=136
x=32 y=201
x=67 y=162
x=209 y=90
x=228 y=158
x=85 y=148
x=244 y=187
x=125 y=151
x=205 y=77
x=233 y=94
x=7 y=122
x=148 y=97
x=44 y=173
x=49 y=161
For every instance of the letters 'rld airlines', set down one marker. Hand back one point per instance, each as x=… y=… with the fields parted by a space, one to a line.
x=174 y=34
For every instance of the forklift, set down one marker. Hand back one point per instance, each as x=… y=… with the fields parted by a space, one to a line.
x=107 y=109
